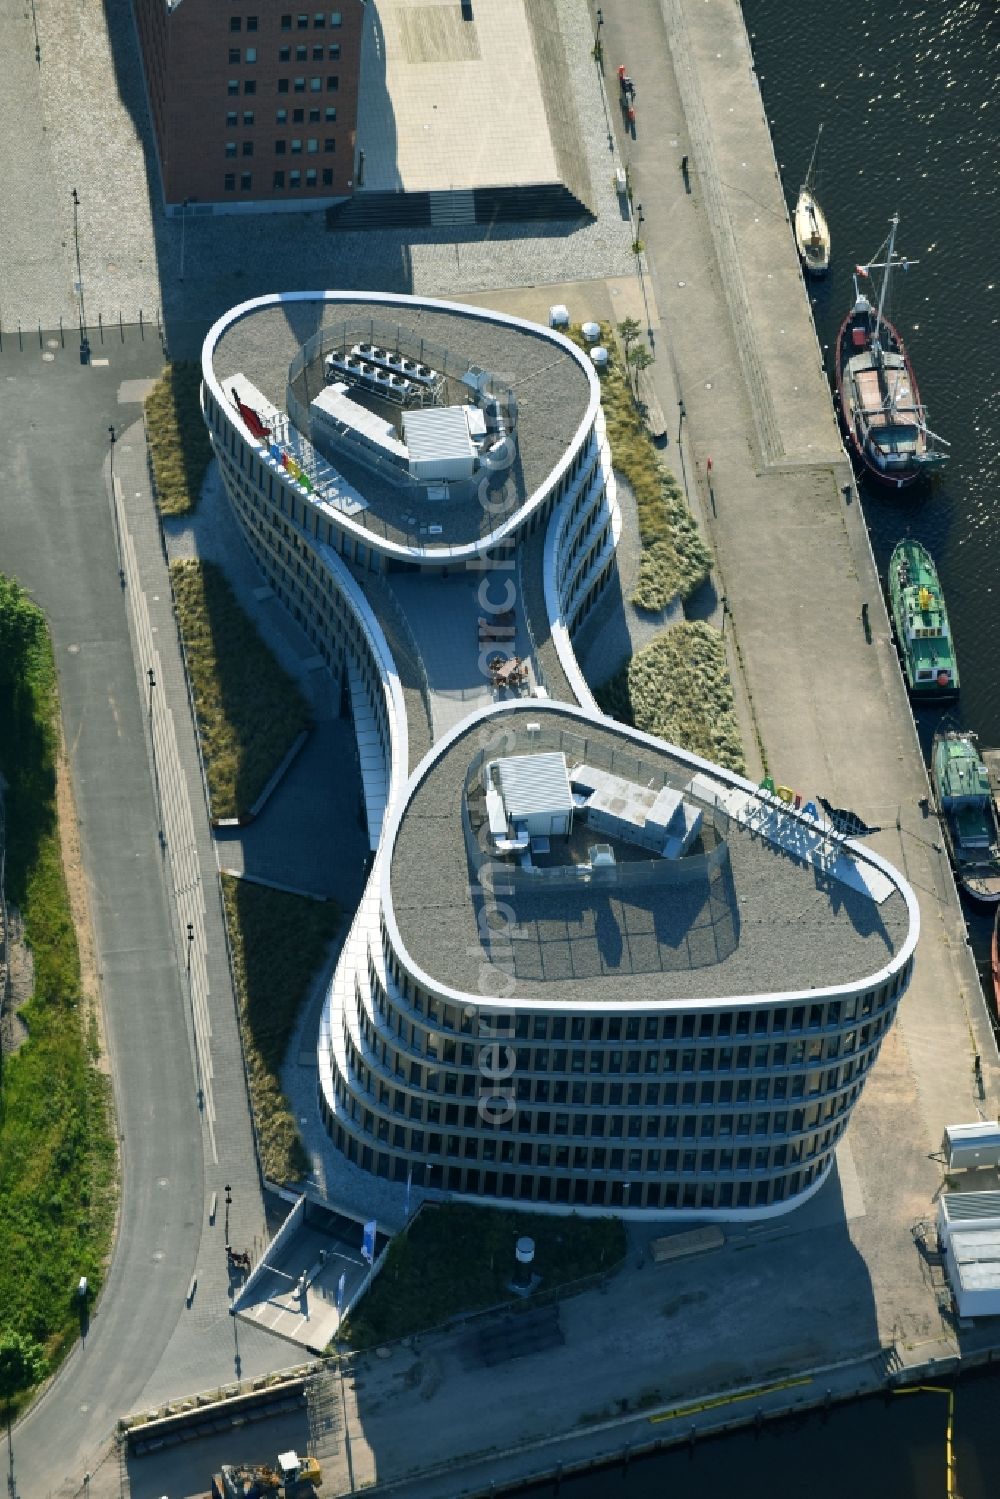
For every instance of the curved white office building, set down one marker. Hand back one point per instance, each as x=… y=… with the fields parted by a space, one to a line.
x=589 y=971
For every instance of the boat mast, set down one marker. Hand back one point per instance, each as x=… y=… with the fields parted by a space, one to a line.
x=812 y=160
x=876 y=341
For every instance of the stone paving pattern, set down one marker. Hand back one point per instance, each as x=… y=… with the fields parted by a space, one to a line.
x=79 y=119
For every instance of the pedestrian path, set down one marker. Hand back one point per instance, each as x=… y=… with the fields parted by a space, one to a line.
x=201 y=1348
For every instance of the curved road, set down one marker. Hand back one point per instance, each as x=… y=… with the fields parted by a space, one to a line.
x=59 y=541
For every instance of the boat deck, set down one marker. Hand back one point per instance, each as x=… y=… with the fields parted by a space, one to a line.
x=991 y=759
x=878 y=411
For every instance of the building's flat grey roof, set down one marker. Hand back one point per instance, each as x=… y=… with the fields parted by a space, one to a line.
x=768 y=923
x=551 y=388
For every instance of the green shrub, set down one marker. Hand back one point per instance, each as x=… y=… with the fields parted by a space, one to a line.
x=675 y=560
x=679 y=689
x=279 y=942
x=179 y=445
x=458 y=1257
x=249 y=710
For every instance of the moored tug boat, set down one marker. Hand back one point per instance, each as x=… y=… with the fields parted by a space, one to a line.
x=964 y=800
x=923 y=632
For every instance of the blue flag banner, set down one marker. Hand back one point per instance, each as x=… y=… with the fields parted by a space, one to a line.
x=368 y=1242
x=406 y=1199
x=341 y=1285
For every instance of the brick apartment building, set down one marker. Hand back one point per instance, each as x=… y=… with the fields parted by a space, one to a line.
x=254 y=104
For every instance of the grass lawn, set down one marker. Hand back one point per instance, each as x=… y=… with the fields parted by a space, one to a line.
x=178 y=438
x=679 y=689
x=58 y=1169
x=279 y=942
x=250 y=712
x=458 y=1258
x=674 y=560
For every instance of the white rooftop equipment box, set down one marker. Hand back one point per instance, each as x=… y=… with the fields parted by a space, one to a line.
x=967 y=1146
x=536 y=793
x=438 y=441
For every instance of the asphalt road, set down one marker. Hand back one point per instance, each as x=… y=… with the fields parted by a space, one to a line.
x=56 y=537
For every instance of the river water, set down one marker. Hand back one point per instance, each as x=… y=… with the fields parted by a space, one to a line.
x=908 y=96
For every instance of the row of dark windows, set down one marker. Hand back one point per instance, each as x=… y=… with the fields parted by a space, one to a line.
x=293 y=147
x=311 y=178
x=767 y=1055
x=287 y=84
x=248 y=55
x=780 y=1091
x=249 y=119
x=655 y=1119
x=580 y=1191
x=318 y=19
x=722 y=1161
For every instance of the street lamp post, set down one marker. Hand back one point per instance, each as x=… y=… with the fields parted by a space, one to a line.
x=190 y=943
x=151 y=678
x=229 y=1199
x=113 y=438
x=84 y=341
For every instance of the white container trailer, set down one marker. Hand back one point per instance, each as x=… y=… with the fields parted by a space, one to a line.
x=968 y=1146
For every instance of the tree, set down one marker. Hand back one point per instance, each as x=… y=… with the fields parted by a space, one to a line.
x=639 y=359
x=22 y=1364
x=20 y=623
x=628 y=332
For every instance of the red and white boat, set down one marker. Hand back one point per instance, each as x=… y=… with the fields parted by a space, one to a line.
x=880 y=406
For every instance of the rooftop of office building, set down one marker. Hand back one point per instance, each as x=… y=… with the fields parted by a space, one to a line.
x=749 y=900
x=535 y=377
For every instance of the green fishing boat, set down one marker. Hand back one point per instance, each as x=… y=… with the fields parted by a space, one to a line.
x=964 y=800
x=921 y=622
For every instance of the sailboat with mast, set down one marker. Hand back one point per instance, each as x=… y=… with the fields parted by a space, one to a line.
x=812 y=234
x=885 y=420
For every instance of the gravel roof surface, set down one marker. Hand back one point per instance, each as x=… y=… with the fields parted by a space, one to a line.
x=765 y=924
x=552 y=392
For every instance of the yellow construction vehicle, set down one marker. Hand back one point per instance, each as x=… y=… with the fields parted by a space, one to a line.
x=295 y=1478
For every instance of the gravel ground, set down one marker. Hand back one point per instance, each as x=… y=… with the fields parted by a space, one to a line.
x=78 y=118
